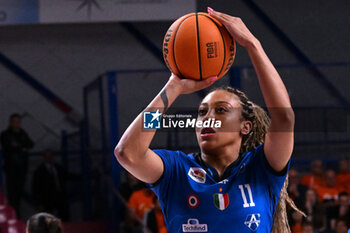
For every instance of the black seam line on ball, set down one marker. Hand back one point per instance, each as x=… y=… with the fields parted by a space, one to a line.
x=199 y=49
x=177 y=29
x=223 y=41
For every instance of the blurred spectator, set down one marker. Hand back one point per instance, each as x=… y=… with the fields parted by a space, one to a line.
x=314 y=210
x=44 y=223
x=15 y=143
x=296 y=190
x=139 y=203
x=343 y=177
x=314 y=179
x=329 y=192
x=342 y=226
x=48 y=187
x=154 y=219
x=296 y=223
x=307 y=228
x=341 y=210
x=130 y=185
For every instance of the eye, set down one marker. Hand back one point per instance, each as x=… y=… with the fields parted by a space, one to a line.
x=221 y=110
x=202 y=111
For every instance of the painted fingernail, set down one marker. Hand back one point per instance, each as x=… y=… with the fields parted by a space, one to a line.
x=214 y=78
x=210 y=10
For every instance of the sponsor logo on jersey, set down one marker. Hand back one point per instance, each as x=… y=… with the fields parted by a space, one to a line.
x=197 y=174
x=221 y=200
x=193 y=201
x=252 y=221
x=194 y=226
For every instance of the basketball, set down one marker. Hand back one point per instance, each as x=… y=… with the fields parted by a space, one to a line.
x=197 y=46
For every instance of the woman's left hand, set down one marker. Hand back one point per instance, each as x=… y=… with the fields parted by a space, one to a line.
x=235 y=27
x=187 y=86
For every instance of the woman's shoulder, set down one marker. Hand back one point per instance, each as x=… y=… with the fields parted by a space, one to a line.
x=255 y=153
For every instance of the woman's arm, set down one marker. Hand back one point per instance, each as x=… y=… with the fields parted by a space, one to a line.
x=279 y=140
x=133 y=151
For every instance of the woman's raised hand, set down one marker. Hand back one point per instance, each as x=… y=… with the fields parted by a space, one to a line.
x=187 y=86
x=235 y=27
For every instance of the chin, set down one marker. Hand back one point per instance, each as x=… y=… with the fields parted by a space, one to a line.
x=208 y=145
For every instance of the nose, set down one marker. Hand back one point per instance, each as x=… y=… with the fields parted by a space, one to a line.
x=210 y=114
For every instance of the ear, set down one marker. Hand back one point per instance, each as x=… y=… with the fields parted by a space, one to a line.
x=246 y=127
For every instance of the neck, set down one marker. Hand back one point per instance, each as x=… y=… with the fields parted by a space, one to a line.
x=221 y=158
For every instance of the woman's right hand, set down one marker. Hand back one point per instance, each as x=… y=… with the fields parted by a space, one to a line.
x=187 y=86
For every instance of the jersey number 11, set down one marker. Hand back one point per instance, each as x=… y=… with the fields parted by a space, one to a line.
x=244 y=197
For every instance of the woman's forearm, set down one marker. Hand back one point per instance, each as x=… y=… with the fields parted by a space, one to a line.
x=274 y=92
x=133 y=151
x=279 y=141
x=136 y=140
x=272 y=87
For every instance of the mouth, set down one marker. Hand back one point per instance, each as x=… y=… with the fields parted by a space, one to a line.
x=207 y=130
x=207 y=133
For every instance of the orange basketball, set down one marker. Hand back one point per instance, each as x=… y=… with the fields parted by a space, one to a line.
x=197 y=46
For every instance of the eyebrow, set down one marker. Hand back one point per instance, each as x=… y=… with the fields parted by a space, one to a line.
x=218 y=102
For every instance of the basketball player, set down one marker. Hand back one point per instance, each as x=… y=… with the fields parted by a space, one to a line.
x=234 y=184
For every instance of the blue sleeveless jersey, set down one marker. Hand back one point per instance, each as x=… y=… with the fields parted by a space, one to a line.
x=193 y=201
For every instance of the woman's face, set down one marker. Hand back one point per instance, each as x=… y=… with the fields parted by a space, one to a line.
x=225 y=107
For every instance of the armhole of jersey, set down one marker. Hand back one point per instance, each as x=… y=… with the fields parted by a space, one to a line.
x=161 y=177
x=283 y=172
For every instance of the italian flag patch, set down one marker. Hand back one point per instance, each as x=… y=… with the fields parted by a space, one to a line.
x=221 y=200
